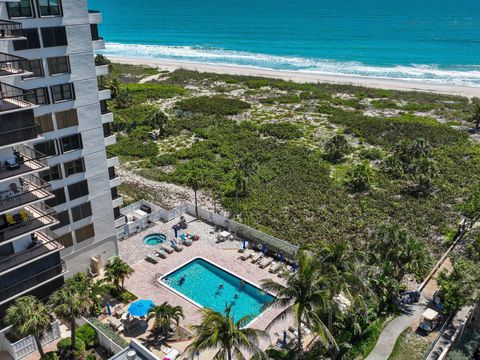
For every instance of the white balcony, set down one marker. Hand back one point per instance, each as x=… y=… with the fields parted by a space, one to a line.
x=113 y=161
x=116 y=181
x=104 y=94
x=110 y=140
x=120 y=221
x=98 y=44
x=101 y=70
x=117 y=202
x=107 y=118
x=94 y=17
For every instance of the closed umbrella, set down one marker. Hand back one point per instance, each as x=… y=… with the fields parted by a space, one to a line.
x=264 y=249
x=281 y=257
x=244 y=244
x=294 y=266
x=176 y=231
x=284 y=342
x=109 y=311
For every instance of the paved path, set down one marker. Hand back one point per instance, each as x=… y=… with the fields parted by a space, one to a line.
x=394 y=328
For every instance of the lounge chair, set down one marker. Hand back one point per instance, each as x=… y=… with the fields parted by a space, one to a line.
x=265 y=262
x=246 y=255
x=151 y=259
x=167 y=249
x=161 y=253
x=176 y=246
x=257 y=257
x=184 y=240
x=276 y=267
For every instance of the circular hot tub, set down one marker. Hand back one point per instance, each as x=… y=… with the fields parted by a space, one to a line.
x=154 y=239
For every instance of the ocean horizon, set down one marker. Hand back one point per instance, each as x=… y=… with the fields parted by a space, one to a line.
x=436 y=41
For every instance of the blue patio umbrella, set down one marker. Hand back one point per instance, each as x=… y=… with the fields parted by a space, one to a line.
x=140 y=307
x=109 y=311
x=294 y=266
x=284 y=342
x=244 y=244
x=176 y=231
x=281 y=257
x=264 y=249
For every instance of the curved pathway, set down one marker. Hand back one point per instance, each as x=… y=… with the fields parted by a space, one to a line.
x=394 y=328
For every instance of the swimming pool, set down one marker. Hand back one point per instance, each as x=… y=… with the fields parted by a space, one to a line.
x=154 y=239
x=201 y=286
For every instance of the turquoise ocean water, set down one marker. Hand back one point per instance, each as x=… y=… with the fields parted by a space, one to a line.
x=436 y=40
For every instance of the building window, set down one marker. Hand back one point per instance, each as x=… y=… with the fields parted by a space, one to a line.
x=74 y=167
x=114 y=193
x=49 y=7
x=46 y=148
x=37 y=96
x=94 y=31
x=64 y=219
x=46 y=122
x=58 y=65
x=116 y=213
x=71 y=142
x=107 y=130
x=104 y=107
x=62 y=92
x=111 y=173
x=81 y=211
x=66 y=118
x=23 y=9
x=66 y=240
x=78 y=189
x=32 y=40
x=35 y=66
x=59 y=198
x=85 y=233
x=52 y=174
x=54 y=36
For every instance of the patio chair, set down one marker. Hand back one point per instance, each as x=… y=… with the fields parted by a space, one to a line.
x=167 y=249
x=184 y=240
x=162 y=254
x=265 y=262
x=275 y=268
x=246 y=255
x=176 y=246
x=257 y=257
x=151 y=259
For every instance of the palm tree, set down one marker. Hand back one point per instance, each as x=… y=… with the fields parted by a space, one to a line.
x=116 y=271
x=307 y=295
x=114 y=87
x=360 y=177
x=476 y=113
x=164 y=314
x=94 y=289
x=70 y=302
x=28 y=316
x=194 y=182
x=220 y=332
x=158 y=118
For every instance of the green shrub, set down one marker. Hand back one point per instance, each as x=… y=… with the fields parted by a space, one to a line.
x=51 y=355
x=91 y=357
x=65 y=346
x=134 y=116
x=371 y=154
x=165 y=159
x=365 y=343
x=88 y=334
x=213 y=105
x=337 y=148
x=144 y=92
x=283 y=130
x=277 y=354
x=126 y=297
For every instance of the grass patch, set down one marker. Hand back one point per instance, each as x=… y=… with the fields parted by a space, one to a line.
x=409 y=346
x=213 y=105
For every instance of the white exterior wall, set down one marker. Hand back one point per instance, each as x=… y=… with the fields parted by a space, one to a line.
x=76 y=20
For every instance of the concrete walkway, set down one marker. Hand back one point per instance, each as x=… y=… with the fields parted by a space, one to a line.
x=394 y=328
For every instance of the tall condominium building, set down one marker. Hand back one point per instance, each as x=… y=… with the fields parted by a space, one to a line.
x=58 y=188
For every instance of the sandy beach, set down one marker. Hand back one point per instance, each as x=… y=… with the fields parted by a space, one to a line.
x=391 y=84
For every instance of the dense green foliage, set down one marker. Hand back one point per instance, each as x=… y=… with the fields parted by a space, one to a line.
x=65 y=345
x=282 y=131
x=88 y=335
x=213 y=105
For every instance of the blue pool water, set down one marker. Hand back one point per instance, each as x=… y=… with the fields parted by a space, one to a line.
x=437 y=40
x=154 y=239
x=202 y=279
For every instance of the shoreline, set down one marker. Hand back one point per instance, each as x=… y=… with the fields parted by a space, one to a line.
x=303 y=77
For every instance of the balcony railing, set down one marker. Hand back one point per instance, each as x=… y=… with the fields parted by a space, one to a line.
x=38 y=216
x=13 y=98
x=12 y=65
x=42 y=244
x=10 y=29
x=20 y=135
x=31 y=189
x=32 y=281
x=24 y=160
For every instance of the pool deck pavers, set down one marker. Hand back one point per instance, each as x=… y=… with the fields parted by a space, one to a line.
x=143 y=282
